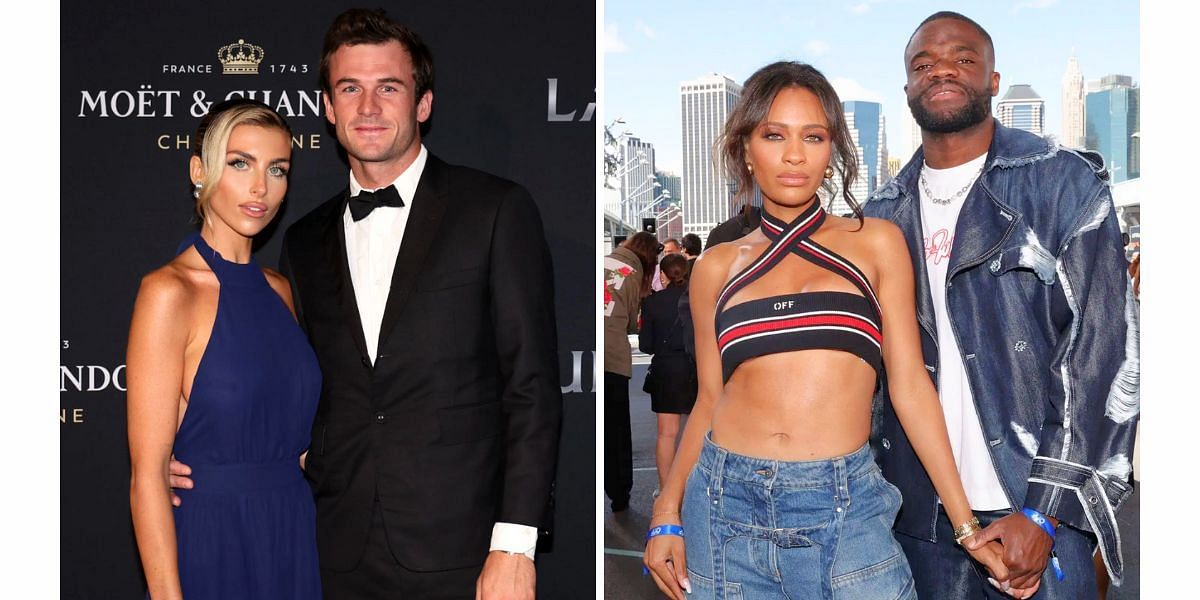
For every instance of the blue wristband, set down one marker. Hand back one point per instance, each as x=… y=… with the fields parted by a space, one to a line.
x=665 y=530
x=1041 y=521
x=662 y=530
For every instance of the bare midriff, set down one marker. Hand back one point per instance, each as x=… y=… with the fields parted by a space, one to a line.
x=795 y=406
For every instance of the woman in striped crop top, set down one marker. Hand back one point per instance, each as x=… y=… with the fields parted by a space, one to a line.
x=794 y=323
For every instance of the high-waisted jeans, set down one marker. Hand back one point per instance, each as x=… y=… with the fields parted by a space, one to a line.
x=760 y=528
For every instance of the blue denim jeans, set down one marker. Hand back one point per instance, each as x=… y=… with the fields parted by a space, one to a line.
x=760 y=528
x=944 y=571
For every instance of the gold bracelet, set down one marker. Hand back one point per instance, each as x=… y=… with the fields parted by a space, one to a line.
x=966 y=530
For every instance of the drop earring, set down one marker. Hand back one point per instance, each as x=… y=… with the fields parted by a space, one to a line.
x=750 y=168
x=196 y=191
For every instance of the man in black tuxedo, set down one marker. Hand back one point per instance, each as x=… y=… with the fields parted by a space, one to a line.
x=426 y=290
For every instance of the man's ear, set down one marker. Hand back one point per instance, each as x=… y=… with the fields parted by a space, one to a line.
x=425 y=106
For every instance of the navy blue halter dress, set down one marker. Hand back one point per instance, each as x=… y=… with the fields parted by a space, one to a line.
x=248 y=527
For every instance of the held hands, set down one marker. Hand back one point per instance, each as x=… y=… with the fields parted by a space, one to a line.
x=991 y=555
x=1026 y=549
x=178 y=477
x=506 y=577
x=666 y=559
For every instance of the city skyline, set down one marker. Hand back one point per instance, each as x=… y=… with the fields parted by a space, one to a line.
x=649 y=50
x=705 y=103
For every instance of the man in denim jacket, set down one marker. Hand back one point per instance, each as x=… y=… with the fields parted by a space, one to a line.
x=1041 y=389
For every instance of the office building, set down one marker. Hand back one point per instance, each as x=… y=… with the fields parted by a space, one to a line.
x=867 y=119
x=1112 y=124
x=1072 y=106
x=637 y=180
x=708 y=194
x=1022 y=108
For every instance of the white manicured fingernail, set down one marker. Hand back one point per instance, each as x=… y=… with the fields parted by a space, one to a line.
x=994 y=583
x=687 y=585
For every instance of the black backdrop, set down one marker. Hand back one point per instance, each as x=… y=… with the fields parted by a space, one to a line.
x=514 y=96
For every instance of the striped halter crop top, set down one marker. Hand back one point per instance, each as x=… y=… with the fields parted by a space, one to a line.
x=813 y=320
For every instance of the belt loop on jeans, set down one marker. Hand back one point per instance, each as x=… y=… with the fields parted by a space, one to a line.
x=841 y=483
x=718 y=468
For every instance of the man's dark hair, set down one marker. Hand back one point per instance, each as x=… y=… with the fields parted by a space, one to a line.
x=672 y=241
x=691 y=244
x=362 y=26
x=949 y=14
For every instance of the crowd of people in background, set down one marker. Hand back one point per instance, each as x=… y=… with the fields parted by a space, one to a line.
x=644 y=284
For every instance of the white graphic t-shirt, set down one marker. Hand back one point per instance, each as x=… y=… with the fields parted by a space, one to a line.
x=962 y=421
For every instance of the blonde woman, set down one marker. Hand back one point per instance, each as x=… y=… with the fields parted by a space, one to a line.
x=221 y=375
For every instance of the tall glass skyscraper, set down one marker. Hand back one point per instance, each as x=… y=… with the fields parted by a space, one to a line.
x=867 y=118
x=1113 y=117
x=707 y=193
x=1022 y=108
x=670 y=218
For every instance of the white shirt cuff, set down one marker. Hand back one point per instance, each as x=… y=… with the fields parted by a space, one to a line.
x=511 y=537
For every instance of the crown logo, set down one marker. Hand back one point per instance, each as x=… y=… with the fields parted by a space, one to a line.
x=240 y=58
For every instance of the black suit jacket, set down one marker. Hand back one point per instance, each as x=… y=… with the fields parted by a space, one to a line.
x=456 y=425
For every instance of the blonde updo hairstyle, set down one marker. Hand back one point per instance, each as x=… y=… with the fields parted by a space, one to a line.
x=212 y=141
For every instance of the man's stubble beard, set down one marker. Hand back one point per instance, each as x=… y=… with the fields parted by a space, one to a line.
x=977 y=108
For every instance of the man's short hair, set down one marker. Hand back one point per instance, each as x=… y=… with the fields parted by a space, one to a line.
x=362 y=26
x=672 y=241
x=949 y=14
x=691 y=244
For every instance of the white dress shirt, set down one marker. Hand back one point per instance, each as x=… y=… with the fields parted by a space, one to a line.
x=372 y=245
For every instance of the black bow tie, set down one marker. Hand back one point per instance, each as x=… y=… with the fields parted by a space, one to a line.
x=365 y=202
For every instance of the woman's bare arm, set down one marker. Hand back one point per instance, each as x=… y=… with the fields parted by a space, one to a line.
x=708 y=275
x=158 y=337
x=913 y=395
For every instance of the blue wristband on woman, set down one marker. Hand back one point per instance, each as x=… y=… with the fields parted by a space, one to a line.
x=665 y=530
x=662 y=530
x=1041 y=521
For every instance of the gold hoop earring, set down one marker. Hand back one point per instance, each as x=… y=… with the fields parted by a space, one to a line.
x=828 y=172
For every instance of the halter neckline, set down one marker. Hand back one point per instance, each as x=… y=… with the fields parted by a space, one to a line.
x=773 y=227
x=226 y=271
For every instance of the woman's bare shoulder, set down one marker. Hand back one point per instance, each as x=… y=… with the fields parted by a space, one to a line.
x=170 y=288
x=277 y=280
x=716 y=260
x=882 y=234
x=280 y=284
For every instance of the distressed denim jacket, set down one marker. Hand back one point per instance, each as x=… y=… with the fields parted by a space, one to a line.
x=1046 y=321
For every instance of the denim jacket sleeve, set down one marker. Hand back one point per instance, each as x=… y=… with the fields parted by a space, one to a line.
x=1082 y=470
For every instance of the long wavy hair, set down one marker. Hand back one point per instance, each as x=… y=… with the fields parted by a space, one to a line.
x=751 y=111
x=646 y=247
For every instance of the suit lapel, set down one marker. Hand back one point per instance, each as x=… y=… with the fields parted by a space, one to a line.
x=429 y=205
x=336 y=261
